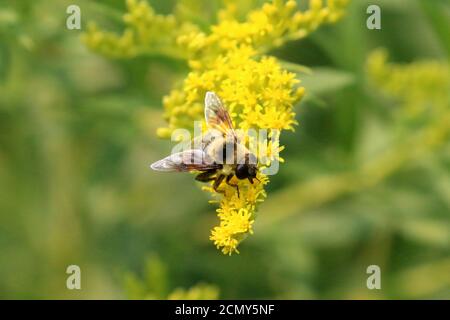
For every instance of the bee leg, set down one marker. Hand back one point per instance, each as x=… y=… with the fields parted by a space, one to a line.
x=217 y=182
x=233 y=185
x=206 y=176
x=254 y=178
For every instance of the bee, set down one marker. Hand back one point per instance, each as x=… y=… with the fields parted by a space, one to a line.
x=218 y=154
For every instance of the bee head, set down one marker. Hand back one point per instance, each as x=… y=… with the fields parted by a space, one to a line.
x=246 y=171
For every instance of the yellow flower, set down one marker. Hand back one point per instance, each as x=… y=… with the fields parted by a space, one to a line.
x=264 y=28
x=146 y=33
x=236 y=213
x=257 y=92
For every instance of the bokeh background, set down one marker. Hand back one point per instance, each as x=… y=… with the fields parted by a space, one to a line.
x=77 y=133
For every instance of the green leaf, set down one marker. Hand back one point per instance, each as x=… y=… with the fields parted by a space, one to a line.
x=295 y=67
x=325 y=80
x=438 y=16
x=156 y=276
x=427 y=231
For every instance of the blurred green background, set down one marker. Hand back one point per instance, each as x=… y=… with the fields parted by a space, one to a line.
x=77 y=134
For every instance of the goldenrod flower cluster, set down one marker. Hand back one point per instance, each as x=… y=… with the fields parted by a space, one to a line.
x=228 y=59
x=422 y=86
x=237 y=213
x=257 y=92
x=178 y=35
x=264 y=28
x=146 y=33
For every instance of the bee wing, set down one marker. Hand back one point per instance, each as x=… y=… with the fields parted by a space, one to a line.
x=216 y=116
x=202 y=141
x=189 y=160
